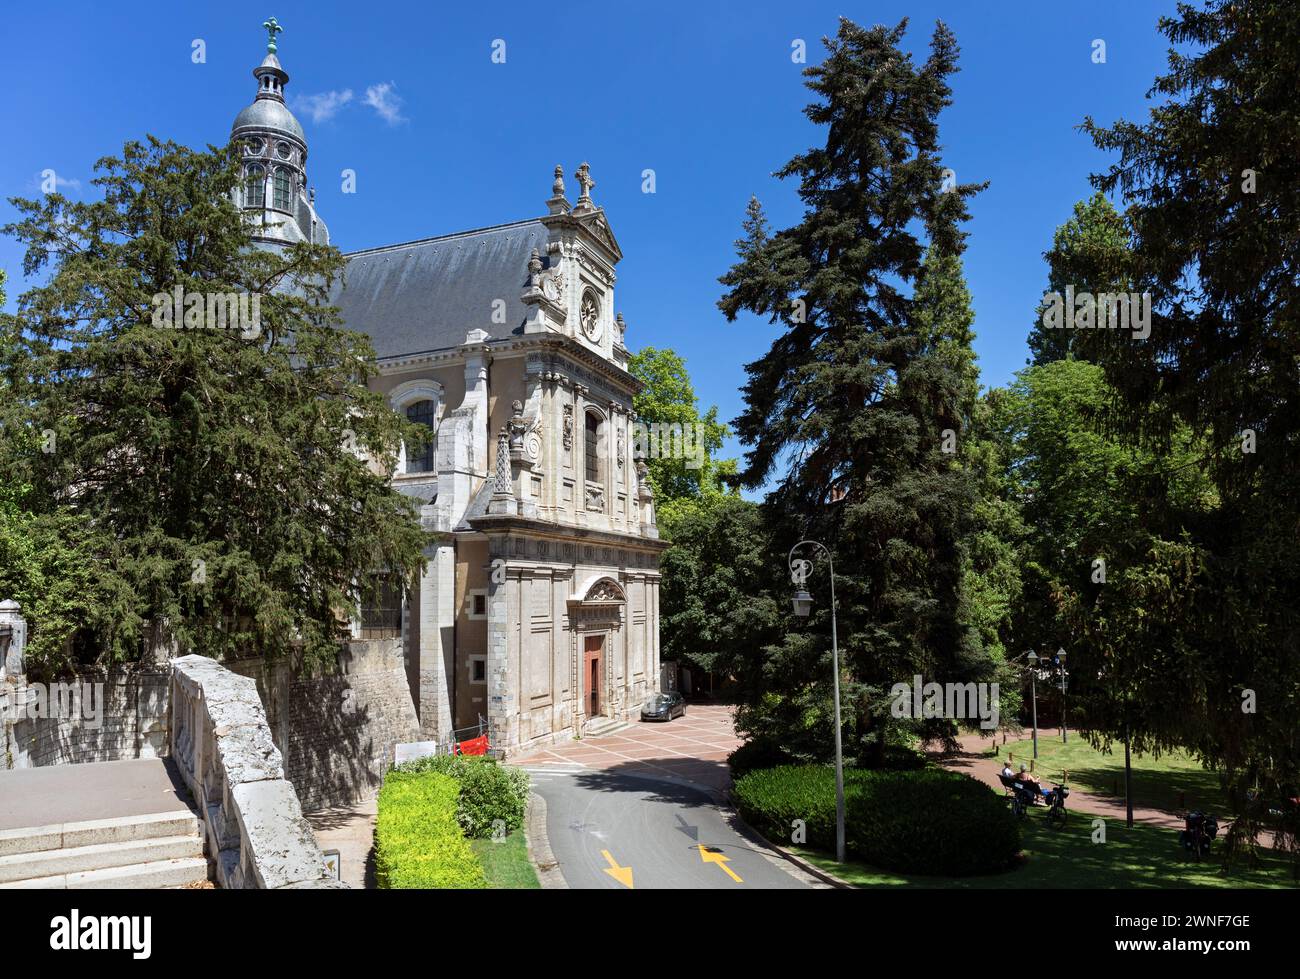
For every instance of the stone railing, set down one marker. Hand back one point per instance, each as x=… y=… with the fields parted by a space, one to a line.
x=254 y=829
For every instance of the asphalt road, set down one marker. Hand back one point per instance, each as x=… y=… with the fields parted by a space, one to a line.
x=611 y=831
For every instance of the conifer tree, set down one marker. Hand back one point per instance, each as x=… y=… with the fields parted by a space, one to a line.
x=234 y=480
x=858 y=407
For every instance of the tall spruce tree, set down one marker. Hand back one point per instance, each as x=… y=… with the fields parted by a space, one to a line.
x=218 y=473
x=1212 y=184
x=1089 y=252
x=854 y=404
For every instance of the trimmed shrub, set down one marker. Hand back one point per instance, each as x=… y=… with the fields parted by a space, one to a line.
x=489 y=791
x=924 y=822
x=418 y=842
x=932 y=822
x=756 y=754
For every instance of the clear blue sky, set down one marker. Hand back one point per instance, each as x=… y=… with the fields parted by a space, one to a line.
x=705 y=94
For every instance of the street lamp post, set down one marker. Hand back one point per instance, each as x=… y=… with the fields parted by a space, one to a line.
x=1033 y=695
x=1065 y=731
x=802 y=606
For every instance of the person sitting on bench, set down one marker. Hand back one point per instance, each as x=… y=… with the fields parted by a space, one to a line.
x=1007 y=770
x=1029 y=778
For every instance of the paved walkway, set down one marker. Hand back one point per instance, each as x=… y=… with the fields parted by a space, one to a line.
x=100 y=790
x=971 y=760
x=690 y=749
x=351 y=831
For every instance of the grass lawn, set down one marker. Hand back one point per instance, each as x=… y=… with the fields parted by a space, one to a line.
x=1173 y=782
x=506 y=863
x=1141 y=857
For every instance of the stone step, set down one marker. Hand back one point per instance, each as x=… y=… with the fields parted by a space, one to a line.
x=122 y=829
x=98 y=856
x=155 y=874
x=602 y=726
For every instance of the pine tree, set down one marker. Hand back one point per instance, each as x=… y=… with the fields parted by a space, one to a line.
x=219 y=470
x=853 y=406
x=1212 y=186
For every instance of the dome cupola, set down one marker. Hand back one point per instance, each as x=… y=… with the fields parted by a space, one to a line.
x=274 y=193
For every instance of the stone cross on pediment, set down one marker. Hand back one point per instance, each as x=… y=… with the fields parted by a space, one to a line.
x=585 y=182
x=272 y=29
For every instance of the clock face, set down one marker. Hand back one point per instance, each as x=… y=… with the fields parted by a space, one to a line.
x=589 y=316
x=551 y=288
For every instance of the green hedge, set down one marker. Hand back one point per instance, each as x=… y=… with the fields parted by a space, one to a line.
x=931 y=822
x=488 y=791
x=418 y=842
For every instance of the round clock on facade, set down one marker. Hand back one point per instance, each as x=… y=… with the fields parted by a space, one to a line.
x=551 y=288
x=589 y=316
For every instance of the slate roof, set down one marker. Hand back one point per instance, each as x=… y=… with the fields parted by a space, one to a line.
x=426 y=295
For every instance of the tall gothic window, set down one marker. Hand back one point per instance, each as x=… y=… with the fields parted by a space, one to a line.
x=280 y=189
x=419 y=459
x=591 y=448
x=255 y=187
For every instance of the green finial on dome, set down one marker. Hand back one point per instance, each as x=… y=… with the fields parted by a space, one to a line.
x=272 y=29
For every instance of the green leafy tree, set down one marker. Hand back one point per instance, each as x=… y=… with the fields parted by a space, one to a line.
x=1092 y=556
x=716 y=605
x=668 y=400
x=218 y=473
x=1211 y=182
x=854 y=404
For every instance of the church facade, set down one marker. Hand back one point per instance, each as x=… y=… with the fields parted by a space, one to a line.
x=538 y=610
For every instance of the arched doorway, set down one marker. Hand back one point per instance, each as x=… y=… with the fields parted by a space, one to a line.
x=596 y=619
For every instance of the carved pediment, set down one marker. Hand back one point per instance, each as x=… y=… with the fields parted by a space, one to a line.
x=603 y=591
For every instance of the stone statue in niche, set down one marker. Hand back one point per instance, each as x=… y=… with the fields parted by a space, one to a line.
x=568 y=426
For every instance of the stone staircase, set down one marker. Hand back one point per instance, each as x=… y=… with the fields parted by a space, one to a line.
x=144 y=851
x=598 y=727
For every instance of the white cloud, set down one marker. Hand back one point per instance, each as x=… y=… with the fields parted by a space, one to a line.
x=384 y=99
x=324 y=105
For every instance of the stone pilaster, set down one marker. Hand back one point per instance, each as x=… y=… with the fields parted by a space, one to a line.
x=437 y=653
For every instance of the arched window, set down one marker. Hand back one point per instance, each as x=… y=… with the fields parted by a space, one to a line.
x=255 y=187
x=591 y=448
x=280 y=185
x=419 y=459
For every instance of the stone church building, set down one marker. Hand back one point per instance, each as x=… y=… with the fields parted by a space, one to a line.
x=539 y=606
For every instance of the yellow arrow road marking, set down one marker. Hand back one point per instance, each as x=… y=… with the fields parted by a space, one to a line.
x=720 y=858
x=621 y=874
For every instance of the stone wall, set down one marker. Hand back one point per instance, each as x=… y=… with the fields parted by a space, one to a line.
x=253 y=827
x=337 y=732
x=88 y=718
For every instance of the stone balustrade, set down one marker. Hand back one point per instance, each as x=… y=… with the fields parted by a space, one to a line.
x=220 y=741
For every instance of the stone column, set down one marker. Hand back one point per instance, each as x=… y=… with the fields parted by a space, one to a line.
x=15 y=626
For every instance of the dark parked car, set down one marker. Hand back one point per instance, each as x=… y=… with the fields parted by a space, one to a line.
x=664 y=707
